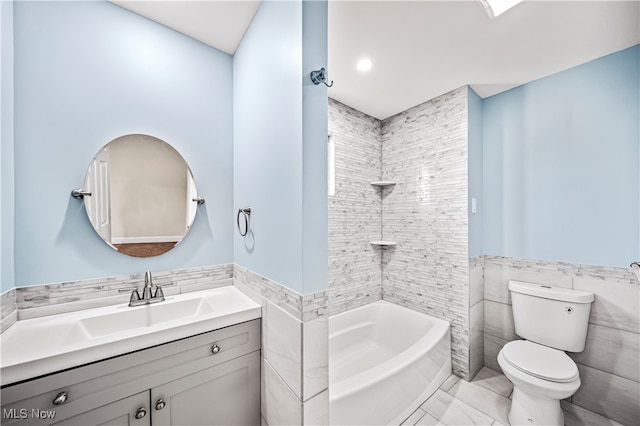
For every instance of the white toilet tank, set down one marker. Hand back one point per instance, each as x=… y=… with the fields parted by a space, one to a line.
x=552 y=316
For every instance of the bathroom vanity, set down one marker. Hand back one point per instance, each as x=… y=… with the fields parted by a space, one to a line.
x=203 y=378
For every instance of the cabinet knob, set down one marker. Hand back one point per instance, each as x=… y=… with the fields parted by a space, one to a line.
x=61 y=398
x=141 y=413
x=160 y=404
x=215 y=349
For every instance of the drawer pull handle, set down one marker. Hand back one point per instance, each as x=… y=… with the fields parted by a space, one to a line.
x=215 y=349
x=160 y=404
x=141 y=413
x=61 y=398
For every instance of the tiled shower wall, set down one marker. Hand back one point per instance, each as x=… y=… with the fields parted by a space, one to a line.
x=355 y=210
x=609 y=365
x=424 y=150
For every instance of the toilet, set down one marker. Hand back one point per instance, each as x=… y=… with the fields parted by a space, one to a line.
x=552 y=320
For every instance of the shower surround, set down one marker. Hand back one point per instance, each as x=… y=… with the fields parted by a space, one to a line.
x=425 y=151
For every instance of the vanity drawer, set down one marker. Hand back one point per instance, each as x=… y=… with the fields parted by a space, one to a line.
x=96 y=384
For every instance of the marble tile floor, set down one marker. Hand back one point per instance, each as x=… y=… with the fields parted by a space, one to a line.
x=485 y=401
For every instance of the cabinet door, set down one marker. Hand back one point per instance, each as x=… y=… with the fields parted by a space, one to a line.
x=226 y=394
x=118 y=413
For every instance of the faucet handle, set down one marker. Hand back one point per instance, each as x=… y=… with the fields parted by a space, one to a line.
x=159 y=294
x=135 y=296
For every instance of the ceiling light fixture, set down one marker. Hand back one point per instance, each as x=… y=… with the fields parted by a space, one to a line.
x=364 y=65
x=497 y=7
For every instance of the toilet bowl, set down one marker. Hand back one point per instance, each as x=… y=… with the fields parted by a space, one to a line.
x=552 y=320
x=541 y=377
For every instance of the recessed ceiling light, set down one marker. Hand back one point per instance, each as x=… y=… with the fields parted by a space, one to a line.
x=364 y=64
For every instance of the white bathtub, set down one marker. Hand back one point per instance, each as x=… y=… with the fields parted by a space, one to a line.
x=384 y=361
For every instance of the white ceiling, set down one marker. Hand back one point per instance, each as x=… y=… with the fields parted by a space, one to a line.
x=220 y=24
x=422 y=49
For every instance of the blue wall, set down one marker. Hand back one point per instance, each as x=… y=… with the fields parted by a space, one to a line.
x=475 y=172
x=561 y=165
x=267 y=122
x=86 y=73
x=6 y=149
x=315 y=130
x=279 y=170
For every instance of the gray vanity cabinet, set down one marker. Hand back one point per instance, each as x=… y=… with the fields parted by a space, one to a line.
x=119 y=413
x=208 y=379
x=221 y=395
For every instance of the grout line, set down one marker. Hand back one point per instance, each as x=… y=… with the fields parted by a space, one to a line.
x=613 y=328
x=606 y=372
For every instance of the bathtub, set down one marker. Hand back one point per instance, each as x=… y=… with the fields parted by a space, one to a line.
x=384 y=361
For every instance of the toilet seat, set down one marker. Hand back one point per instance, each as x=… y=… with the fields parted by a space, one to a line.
x=540 y=361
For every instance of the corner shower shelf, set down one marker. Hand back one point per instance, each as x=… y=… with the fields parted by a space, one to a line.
x=382 y=183
x=383 y=243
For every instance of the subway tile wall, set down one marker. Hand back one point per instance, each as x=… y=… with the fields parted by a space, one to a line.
x=610 y=364
x=355 y=277
x=424 y=150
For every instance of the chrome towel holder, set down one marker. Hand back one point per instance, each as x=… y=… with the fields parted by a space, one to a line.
x=246 y=214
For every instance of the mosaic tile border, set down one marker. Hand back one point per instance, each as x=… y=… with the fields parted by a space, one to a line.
x=303 y=308
x=9 y=309
x=56 y=298
x=596 y=272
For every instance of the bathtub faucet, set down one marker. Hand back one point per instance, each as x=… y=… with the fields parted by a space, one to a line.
x=146 y=298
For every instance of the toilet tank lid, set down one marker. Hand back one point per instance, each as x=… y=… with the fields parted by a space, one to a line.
x=548 y=292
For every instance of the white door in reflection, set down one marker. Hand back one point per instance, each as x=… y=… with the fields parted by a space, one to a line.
x=99 y=206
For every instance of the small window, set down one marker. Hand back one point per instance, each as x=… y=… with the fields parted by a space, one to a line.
x=331 y=164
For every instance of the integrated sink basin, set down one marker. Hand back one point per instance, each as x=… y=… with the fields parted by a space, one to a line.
x=127 y=319
x=44 y=345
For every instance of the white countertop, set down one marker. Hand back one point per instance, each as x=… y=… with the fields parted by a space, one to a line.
x=34 y=347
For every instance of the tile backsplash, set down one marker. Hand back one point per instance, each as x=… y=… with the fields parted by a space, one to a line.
x=9 y=309
x=55 y=298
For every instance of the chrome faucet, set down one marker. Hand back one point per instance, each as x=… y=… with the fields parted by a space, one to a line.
x=147 y=297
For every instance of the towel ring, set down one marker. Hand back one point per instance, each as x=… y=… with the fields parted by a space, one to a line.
x=246 y=213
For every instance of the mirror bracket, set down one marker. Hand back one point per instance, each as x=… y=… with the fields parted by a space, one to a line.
x=79 y=193
x=198 y=200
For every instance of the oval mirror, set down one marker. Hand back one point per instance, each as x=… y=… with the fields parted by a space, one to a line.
x=143 y=197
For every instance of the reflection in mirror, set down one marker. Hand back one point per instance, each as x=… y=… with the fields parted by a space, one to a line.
x=142 y=195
